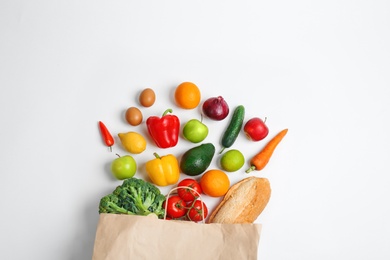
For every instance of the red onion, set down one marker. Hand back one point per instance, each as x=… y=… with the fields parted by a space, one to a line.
x=215 y=108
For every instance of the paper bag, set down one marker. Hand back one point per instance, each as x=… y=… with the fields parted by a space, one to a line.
x=139 y=237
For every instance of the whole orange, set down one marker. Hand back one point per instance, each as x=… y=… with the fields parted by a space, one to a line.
x=187 y=95
x=214 y=183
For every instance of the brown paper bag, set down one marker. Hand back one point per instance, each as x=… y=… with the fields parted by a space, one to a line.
x=139 y=237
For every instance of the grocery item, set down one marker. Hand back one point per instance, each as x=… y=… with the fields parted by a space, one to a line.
x=187 y=95
x=195 y=131
x=123 y=167
x=256 y=129
x=147 y=97
x=215 y=108
x=175 y=207
x=189 y=189
x=134 y=197
x=133 y=142
x=214 y=183
x=243 y=203
x=198 y=211
x=197 y=159
x=106 y=135
x=232 y=160
x=133 y=116
x=163 y=170
x=164 y=130
x=260 y=160
x=233 y=129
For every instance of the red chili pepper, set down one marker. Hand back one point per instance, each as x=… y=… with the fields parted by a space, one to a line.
x=165 y=130
x=107 y=137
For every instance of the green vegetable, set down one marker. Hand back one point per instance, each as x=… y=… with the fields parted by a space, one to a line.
x=234 y=128
x=196 y=160
x=134 y=197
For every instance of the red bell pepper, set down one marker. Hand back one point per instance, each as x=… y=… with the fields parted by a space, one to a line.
x=165 y=130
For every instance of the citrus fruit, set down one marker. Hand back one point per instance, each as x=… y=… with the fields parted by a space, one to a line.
x=133 y=142
x=214 y=183
x=187 y=95
x=232 y=160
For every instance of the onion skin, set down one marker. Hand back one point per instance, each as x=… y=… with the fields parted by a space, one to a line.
x=216 y=108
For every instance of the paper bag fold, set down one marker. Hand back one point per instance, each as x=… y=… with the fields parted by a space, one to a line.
x=137 y=237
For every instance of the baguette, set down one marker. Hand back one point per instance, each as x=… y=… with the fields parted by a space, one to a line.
x=243 y=202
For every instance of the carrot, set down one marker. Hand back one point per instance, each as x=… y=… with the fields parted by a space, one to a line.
x=260 y=160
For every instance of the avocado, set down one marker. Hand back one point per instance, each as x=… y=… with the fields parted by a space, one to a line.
x=197 y=159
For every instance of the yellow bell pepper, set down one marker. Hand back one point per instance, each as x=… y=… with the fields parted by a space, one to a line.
x=164 y=170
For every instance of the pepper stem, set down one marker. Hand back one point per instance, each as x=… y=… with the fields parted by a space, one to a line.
x=169 y=110
x=156 y=155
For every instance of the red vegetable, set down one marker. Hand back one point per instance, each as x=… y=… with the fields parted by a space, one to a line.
x=197 y=212
x=215 y=108
x=107 y=137
x=189 y=189
x=175 y=207
x=165 y=130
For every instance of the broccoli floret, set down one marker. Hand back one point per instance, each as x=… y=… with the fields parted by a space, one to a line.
x=146 y=197
x=110 y=204
x=157 y=206
x=138 y=197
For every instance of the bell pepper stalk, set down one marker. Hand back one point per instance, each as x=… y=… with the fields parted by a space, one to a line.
x=165 y=130
x=164 y=170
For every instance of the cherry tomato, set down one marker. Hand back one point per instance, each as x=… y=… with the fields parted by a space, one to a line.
x=195 y=213
x=175 y=207
x=186 y=194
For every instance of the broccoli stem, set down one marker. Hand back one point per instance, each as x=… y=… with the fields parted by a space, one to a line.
x=137 y=197
x=118 y=209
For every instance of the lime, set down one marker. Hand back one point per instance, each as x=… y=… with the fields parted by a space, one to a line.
x=232 y=160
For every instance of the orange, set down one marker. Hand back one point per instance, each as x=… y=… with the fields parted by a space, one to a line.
x=214 y=183
x=187 y=95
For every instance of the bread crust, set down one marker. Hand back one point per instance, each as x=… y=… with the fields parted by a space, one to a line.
x=243 y=202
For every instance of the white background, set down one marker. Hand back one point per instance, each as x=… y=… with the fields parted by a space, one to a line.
x=319 y=68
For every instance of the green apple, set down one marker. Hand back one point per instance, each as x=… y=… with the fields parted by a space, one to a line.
x=195 y=131
x=123 y=167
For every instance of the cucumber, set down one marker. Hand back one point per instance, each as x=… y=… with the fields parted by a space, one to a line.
x=234 y=127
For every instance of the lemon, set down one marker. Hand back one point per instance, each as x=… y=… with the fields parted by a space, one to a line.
x=133 y=142
x=232 y=160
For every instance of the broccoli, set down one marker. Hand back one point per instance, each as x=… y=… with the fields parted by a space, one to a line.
x=134 y=197
x=110 y=204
